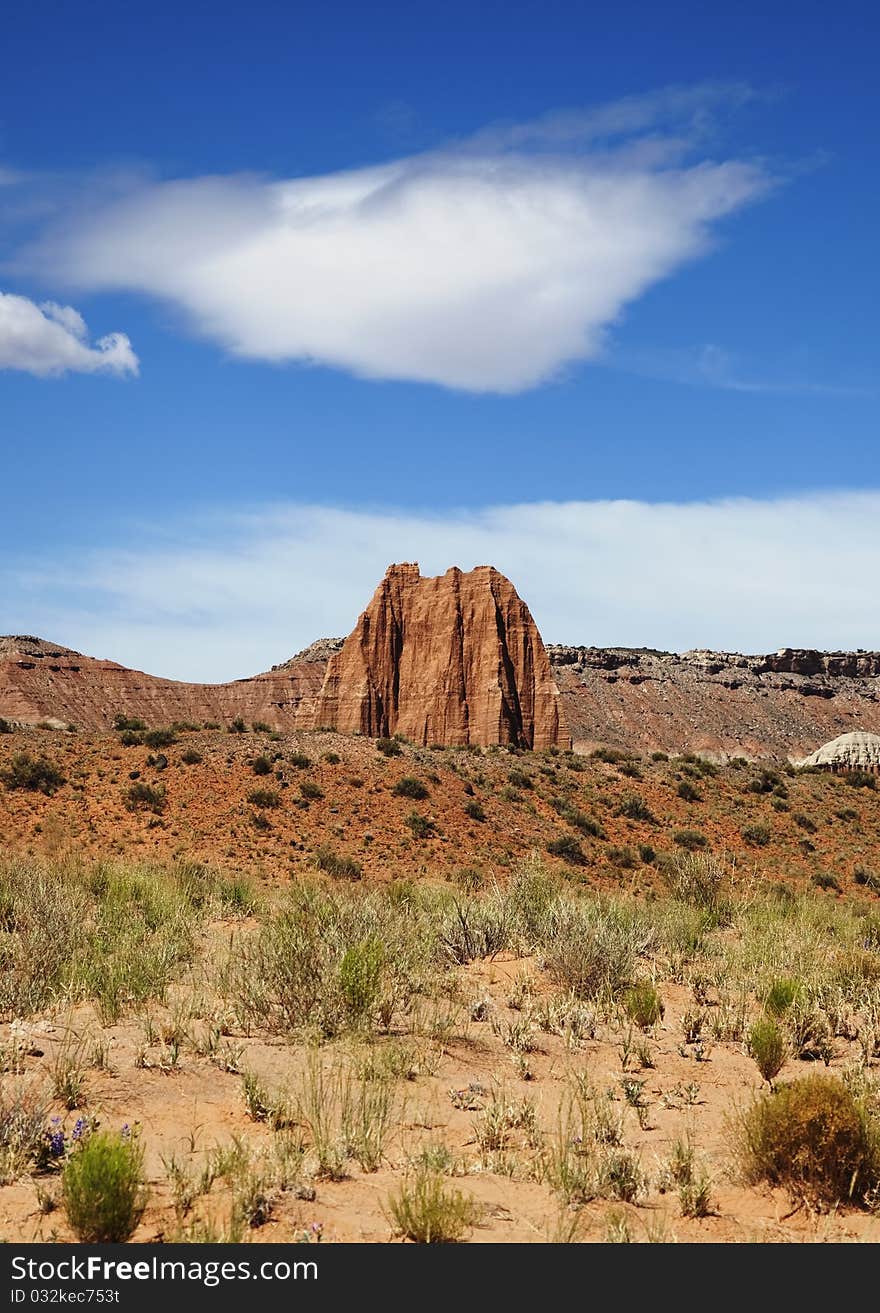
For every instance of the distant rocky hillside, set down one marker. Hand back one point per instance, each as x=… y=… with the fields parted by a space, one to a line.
x=782 y=704
x=40 y=681
x=457 y=659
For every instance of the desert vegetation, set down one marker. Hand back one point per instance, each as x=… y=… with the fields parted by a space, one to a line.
x=315 y=988
x=188 y=1054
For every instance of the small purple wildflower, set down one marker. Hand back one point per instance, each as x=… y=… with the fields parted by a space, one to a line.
x=125 y=1133
x=55 y=1137
x=79 y=1129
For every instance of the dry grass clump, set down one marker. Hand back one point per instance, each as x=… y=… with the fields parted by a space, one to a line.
x=429 y=1211
x=814 y=1137
x=114 y=933
x=333 y=959
x=591 y=948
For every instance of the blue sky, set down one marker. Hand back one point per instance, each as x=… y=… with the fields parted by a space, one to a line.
x=392 y=272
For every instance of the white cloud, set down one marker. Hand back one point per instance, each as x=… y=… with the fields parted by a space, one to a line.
x=227 y=596
x=52 y=339
x=488 y=267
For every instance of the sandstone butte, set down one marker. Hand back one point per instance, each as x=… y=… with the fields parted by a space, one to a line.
x=450 y=660
x=784 y=704
x=455 y=659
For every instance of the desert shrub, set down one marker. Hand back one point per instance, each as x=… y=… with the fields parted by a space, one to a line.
x=781 y=993
x=475 y=810
x=861 y=779
x=5 y=726
x=623 y=857
x=568 y=848
x=22 y=1130
x=287 y=976
x=190 y=757
x=469 y=878
x=262 y=766
x=141 y=796
x=238 y=726
x=159 y=738
x=867 y=879
x=421 y=826
x=519 y=779
x=647 y=853
x=103 y=1188
x=690 y=840
x=312 y=790
x=635 y=808
x=659 y=756
x=360 y=978
x=409 y=787
x=264 y=798
x=612 y=755
x=36 y=774
x=115 y=934
x=337 y=864
x=768 y=1047
x=805 y=822
x=631 y=770
x=643 y=1004
x=693 y=1184
x=688 y=792
x=128 y=723
x=428 y=1211
x=332 y=758
x=130 y=738
x=814 y=1137
x=579 y=819
x=475 y=929
x=388 y=747
x=758 y=834
x=846 y=814
x=301 y=761
x=591 y=949
x=825 y=880
x=696 y=878
x=531 y=896
x=261 y=727
x=260 y=821
x=768 y=781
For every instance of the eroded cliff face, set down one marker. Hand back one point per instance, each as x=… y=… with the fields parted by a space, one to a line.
x=454 y=659
x=722 y=703
x=457 y=659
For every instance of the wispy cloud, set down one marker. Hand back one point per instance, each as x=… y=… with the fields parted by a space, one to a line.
x=713 y=366
x=216 y=597
x=51 y=339
x=487 y=266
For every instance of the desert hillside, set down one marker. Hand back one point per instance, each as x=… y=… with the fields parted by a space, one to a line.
x=720 y=704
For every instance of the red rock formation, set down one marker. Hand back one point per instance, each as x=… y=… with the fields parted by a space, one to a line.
x=454 y=659
x=41 y=681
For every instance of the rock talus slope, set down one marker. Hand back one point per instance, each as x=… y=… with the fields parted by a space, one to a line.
x=42 y=681
x=454 y=659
